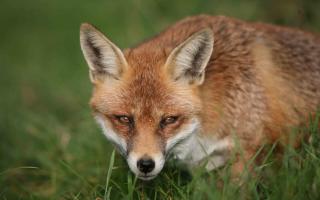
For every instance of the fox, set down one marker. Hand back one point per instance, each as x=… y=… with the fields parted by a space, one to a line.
x=189 y=91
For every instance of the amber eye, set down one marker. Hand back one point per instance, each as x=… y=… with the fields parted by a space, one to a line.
x=168 y=120
x=124 y=119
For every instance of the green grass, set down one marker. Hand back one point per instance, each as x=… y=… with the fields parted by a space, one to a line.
x=50 y=147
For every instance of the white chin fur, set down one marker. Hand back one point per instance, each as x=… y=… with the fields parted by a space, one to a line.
x=111 y=135
x=132 y=162
x=192 y=148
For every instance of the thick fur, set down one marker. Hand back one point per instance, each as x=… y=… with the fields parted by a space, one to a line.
x=259 y=81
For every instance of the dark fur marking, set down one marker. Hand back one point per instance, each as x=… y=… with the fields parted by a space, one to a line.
x=95 y=50
x=198 y=56
x=99 y=68
x=194 y=71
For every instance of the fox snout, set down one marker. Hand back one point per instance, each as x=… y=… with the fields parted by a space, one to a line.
x=145 y=166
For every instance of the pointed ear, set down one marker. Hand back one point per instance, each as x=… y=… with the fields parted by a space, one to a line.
x=105 y=59
x=188 y=61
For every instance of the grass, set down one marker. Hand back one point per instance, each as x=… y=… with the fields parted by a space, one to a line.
x=50 y=147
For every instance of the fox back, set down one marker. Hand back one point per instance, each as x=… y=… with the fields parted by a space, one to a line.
x=194 y=88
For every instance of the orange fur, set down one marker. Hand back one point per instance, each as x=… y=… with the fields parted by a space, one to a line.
x=260 y=81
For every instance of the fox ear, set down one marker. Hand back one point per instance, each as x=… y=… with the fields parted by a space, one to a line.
x=188 y=61
x=104 y=58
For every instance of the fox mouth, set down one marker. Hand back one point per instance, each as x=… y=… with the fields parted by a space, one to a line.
x=146 y=177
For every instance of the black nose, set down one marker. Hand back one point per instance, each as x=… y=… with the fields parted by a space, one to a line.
x=145 y=165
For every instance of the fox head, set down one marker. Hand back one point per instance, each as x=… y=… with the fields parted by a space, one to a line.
x=146 y=99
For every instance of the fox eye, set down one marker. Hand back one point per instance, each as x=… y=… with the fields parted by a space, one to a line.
x=168 y=120
x=124 y=119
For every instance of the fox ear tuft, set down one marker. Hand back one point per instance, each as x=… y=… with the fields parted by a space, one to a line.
x=104 y=58
x=188 y=61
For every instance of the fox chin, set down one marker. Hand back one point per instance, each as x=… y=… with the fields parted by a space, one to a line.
x=192 y=89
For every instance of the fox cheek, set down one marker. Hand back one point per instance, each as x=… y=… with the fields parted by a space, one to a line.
x=115 y=138
x=184 y=134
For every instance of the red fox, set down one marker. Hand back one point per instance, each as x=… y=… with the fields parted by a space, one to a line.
x=189 y=90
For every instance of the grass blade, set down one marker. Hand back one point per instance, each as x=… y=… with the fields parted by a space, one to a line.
x=107 y=189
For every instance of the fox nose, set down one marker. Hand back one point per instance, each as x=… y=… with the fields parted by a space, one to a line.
x=145 y=165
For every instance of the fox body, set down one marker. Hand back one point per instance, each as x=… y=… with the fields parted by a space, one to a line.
x=194 y=88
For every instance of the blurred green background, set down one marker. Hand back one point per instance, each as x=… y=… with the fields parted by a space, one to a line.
x=49 y=143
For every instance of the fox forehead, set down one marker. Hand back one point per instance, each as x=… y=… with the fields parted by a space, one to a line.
x=145 y=89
